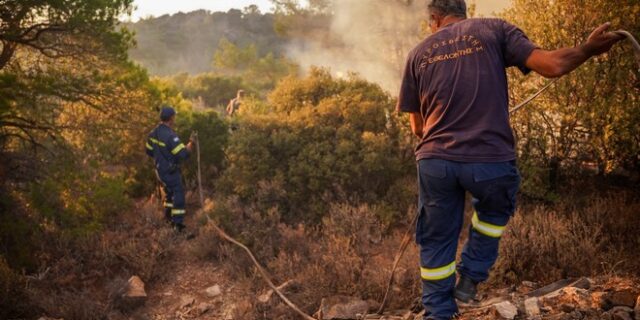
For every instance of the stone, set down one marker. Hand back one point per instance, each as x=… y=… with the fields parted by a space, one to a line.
x=621 y=313
x=186 y=301
x=600 y=300
x=532 y=307
x=567 y=307
x=550 y=288
x=133 y=294
x=569 y=296
x=582 y=283
x=505 y=310
x=625 y=296
x=203 y=308
x=342 y=307
x=213 y=291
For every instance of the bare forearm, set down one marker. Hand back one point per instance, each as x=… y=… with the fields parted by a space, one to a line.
x=417 y=124
x=556 y=63
x=568 y=59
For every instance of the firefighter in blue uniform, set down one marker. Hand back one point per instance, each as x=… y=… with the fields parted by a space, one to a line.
x=164 y=146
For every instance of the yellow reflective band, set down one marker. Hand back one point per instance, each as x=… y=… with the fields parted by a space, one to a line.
x=158 y=142
x=487 y=229
x=168 y=205
x=149 y=146
x=177 y=212
x=177 y=148
x=438 y=273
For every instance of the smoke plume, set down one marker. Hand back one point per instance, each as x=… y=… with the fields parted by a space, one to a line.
x=371 y=38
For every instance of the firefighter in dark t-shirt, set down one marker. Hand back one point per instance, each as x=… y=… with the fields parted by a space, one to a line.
x=455 y=89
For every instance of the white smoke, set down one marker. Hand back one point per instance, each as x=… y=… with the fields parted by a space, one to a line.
x=369 y=37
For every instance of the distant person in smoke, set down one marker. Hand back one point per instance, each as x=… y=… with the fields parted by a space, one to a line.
x=455 y=91
x=235 y=103
x=165 y=147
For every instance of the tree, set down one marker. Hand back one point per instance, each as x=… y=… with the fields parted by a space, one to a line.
x=590 y=118
x=261 y=73
x=64 y=28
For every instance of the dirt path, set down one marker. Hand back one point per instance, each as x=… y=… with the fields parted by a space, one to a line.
x=181 y=293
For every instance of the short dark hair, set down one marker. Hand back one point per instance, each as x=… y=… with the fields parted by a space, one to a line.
x=456 y=8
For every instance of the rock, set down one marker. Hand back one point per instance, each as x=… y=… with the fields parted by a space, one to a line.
x=621 y=313
x=600 y=300
x=133 y=295
x=342 y=307
x=531 y=307
x=505 y=310
x=203 y=308
x=637 y=309
x=569 y=296
x=625 y=296
x=550 y=288
x=567 y=308
x=213 y=291
x=186 y=301
x=582 y=283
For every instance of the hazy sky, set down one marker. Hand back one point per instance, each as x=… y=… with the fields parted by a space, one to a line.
x=160 y=7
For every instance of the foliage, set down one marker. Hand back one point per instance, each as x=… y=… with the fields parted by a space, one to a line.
x=589 y=119
x=185 y=42
x=212 y=137
x=79 y=202
x=260 y=73
x=213 y=90
x=325 y=139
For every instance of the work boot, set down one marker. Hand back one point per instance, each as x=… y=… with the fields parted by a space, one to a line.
x=180 y=230
x=178 y=227
x=466 y=289
x=455 y=316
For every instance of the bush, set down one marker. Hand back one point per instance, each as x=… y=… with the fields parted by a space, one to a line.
x=325 y=140
x=571 y=239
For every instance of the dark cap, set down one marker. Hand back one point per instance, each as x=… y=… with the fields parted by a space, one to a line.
x=166 y=113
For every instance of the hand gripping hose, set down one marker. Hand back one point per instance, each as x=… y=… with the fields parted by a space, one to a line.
x=405 y=242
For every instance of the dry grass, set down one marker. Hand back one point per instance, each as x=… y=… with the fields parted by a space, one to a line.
x=81 y=276
x=349 y=255
x=573 y=238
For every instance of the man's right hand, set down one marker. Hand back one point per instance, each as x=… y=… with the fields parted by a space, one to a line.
x=601 y=41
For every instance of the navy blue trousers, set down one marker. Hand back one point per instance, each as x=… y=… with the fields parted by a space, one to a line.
x=443 y=185
x=174 y=201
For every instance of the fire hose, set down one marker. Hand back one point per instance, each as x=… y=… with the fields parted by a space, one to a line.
x=407 y=237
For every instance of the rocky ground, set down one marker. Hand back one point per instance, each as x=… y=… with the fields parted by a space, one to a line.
x=197 y=292
x=196 y=288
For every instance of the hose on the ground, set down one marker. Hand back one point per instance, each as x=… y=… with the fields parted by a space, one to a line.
x=228 y=238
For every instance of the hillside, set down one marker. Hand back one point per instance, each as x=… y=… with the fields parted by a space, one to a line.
x=186 y=42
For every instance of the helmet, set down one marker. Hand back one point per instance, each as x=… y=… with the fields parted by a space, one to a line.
x=166 y=113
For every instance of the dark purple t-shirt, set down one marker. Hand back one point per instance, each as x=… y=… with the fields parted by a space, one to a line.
x=456 y=79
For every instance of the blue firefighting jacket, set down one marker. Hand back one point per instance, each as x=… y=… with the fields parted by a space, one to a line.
x=166 y=149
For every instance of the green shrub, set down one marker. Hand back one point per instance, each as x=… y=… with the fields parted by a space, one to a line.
x=324 y=140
